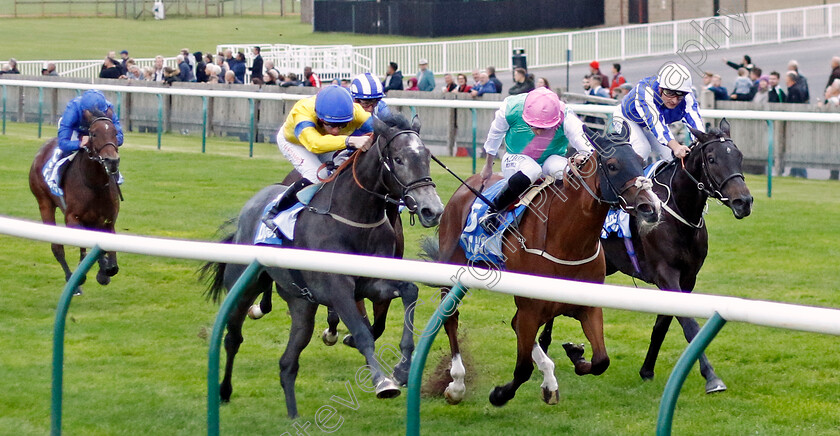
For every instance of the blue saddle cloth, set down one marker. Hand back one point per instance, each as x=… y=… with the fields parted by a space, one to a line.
x=479 y=245
x=618 y=221
x=285 y=221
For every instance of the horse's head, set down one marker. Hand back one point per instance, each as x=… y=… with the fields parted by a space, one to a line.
x=103 y=140
x=405 y=166
x=621 y=176
x=718 y=162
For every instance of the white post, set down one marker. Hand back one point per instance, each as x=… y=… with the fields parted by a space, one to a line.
x=510 y=53
x=445 y=58
x=648 y=39
x=597 y=33
x=676 y=37
x=622 y=43
x=752 y=28
x=829 y=10
x=804 y=23
x=779 y=26
x=536 y=51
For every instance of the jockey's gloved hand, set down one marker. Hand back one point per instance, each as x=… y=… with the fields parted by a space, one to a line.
x=361 y=143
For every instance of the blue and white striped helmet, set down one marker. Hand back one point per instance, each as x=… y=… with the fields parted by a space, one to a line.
x=366 y=87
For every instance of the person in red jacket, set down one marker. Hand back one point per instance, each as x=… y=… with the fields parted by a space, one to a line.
x=595 y=68
x=617 y=80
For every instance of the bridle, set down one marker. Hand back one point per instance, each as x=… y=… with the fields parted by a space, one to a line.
x=716 y=188
x=94 y=154
x=639 y=182
x=386 y=162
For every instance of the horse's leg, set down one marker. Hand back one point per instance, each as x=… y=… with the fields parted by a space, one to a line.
x=303 y=324
x=525 y=325
x=592 y=321
x=257 y=311
x=107 y=268
x=348 y=338
x=660 y=328
x=454 y=392
x=233 y=337
x=380 y=315
x=47 y=209
x=545 y=336
x=713 y=382
x=550 y=392
x=408 y=293
x=330 y=334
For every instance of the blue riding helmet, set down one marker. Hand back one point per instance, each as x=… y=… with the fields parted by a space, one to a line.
x=334 y=105
x=366 y=87
x=93 y=99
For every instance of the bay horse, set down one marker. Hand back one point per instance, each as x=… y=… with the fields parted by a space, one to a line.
x=91 y=194
x=671 y=255
x=347 y=215
x=574 y=210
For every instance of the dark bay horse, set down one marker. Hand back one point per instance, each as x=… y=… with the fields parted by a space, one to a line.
x=347 y=215
x=561 y=232
x=91 y=194
x=671 y=255
x=380 y=309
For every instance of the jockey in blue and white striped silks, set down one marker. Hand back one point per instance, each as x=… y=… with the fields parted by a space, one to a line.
x=368 y=92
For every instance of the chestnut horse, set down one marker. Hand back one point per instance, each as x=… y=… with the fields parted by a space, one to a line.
x=671 y=255
x=91 y=194
x=575 y=209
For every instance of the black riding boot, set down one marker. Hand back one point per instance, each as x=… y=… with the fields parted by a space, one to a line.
x=517 y=185
x=288 y=200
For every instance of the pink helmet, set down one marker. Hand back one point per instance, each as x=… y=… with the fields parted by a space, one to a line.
x=543 y=109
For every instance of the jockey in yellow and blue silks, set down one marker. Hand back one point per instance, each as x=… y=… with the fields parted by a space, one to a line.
x=655 y=103
x=367 y=91
x=315 y=131
x=73 y=129
x=537 y=128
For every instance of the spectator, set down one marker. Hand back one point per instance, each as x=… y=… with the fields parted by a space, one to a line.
x=491 y=72
x=585 y=84
x=291 y=80
x=310 y=78
x=257 y=81
x=835 y=71
x=223 y=67
x=12 y=67
x=800 y=80
x=521 y=83
x=148 y=73
x=763 y=89
x=239 y=68
x=622 y=91
x=617 y=80
x=269 y=66
x=170 y=75
x=228 y=56
x=716 y=87
x=200 y=68
x=448 y=84
x=185 y=73
x=134 y=73
x=542 y=82
x=425 y=77
x=345 y=83
x=476 y=75
x=746 y=62
x=462 y=84
x=158 y=74
x=393 y=78
x=412 y=84
x=257 y=64
x=270 y=77
x=124 y=61
x=832 y=95
x=707 y=79
x=186 y=54
x=595 y=69
x=742 y=90
x=110 y=69
x=230 y=78
x=211 y=71
x=484 y=86
x=796 y=93
x=49 y=69
x=596 y=89
x=774 y=93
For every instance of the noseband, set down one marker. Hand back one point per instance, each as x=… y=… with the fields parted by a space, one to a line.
x=716 y=188
x=95 y=155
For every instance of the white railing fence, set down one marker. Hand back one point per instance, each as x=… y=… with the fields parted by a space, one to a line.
x=82 y=69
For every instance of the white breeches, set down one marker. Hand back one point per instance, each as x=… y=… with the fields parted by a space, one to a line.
x=555 y=166
x=305 y=161
x=643 y=141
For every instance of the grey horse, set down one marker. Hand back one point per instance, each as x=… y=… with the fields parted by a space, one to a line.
x=347 y=215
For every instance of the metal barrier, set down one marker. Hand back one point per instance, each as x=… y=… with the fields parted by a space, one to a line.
x=717 y=308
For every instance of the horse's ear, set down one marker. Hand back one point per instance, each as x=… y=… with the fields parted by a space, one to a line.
x=415 y=124
x=110 y=113
x=618 y=133
x=379 y=127
x=88 y=117
x=724 y=126
x=698 y=134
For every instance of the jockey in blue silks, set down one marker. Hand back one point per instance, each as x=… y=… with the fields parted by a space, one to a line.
x=367 y=91
x=655 y=103
x=73 y=132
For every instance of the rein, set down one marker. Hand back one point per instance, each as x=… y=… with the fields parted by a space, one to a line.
x=639 y=182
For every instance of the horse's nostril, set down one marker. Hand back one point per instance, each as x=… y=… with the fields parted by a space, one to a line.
x=645 y=208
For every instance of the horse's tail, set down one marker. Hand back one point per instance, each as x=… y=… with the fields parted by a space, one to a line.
x=213 y=273
x=430 y=249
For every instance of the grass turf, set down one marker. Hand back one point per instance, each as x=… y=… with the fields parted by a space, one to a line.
x=136 y=350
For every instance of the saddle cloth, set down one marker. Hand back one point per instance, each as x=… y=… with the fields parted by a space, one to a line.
x=53 y=172
x=477 y=243
x=618 y=221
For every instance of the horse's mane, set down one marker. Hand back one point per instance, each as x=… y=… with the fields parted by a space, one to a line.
x=717 y=132
x=397 y=120
x=96 y=114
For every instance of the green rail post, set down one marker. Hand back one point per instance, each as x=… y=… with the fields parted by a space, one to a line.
x=474 y=133
x=770 y=143
x=160 y=119
x=40 y=109
x=203 y=123
x=251 y=128
x=216 y=342
x=680 y=372
x=58 y=336
x=415 y=378
x=413 y=111
x=4 y=109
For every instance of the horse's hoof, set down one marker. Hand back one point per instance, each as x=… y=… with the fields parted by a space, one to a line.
x=386 y=388
x=254 y=312
x=574 y=351
x=78 y=291
x=225 y=392
x=715 y=385
x=497 y=398
x=454 y=396
x=102 y=279
x=646 y=375
x=349 y=341
x=111 y=272
x=550 y=397
x=329 y=339
x=401 y=374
